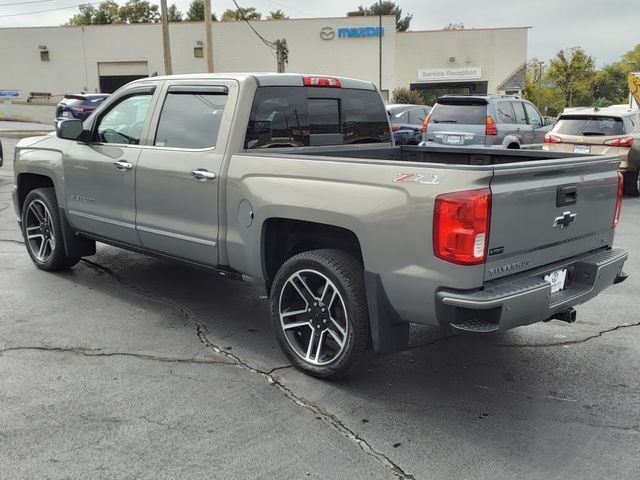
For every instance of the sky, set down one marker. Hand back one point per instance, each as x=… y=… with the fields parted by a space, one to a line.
x=606 y=29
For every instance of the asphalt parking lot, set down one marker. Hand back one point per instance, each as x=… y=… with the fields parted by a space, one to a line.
x=132 y=367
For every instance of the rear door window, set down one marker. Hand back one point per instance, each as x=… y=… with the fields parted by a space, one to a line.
x=460 y=113
x=533 y=115
x=589 y=125
x=190 y=117
x=505 y=112
x=521 y=117
x=303 y=116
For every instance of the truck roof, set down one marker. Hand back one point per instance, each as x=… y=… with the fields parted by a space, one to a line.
x=267 y=79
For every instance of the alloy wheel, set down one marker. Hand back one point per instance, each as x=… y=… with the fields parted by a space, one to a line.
x=39 y=231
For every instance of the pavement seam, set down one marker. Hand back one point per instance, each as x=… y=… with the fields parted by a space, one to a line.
x=202 y=334
x=89 y=352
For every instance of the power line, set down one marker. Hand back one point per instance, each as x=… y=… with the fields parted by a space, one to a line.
x=264 y=40
x=24 y=3
x=50 y=10
x=290 y=8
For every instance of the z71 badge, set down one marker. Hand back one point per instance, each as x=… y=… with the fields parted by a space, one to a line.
x=423 y=178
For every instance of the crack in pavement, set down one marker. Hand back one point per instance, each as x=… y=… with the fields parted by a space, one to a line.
x=9 y=240
x=569 y=342
x=203 y=336
x=93 y=352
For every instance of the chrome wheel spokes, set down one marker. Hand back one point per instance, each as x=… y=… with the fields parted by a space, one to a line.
x=313 y=317
x=39 y=231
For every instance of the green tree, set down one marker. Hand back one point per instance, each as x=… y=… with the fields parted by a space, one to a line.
x=539 y=90
x=277 y=15
x=404 y=95
x=196 y=12
x=173 y=14
x=573 y=72
x=610 y=85
x=105 y=13
x=140 y=11
x=388 y=8
x=249 y=13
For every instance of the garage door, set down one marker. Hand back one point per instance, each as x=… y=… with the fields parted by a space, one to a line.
x=113 y=75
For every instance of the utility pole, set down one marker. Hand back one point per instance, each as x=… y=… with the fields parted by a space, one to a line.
x=380 y=45
x=282 y=54
x=166 y=45
x=209 y=39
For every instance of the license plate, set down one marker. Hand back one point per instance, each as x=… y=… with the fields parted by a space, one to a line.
x=556 y=279
x=582 y=148
x=66 y=114
x=455 y=139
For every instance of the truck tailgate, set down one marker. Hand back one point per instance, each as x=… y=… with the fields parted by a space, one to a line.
x=546 y=211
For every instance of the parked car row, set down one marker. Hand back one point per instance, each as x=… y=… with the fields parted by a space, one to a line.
x=79 y=105
x=406 y=122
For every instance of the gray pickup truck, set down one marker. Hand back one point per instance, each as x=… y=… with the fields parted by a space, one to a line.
x=293 y=181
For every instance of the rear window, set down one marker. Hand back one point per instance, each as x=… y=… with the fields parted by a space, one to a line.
x=589 y=125
x=462 y=113
x=303 y=116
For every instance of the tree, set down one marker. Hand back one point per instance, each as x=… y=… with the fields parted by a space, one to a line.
x=196 y=12
x=139 y=11
x=388 y=8
x=572 y=71
x=249 y=13
x=404 y=95
x=173 y=14
x=277 y=15
x=106 y=13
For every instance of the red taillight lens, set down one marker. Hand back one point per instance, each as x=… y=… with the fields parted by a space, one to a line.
x=424 y=124
x=321 y=82
x=461 y=226
x=548 y=138
x=616 y=215
x=395 y=128
x=491 y=126
x=620 y=142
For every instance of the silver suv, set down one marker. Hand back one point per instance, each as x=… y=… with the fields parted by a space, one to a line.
x=489 y=120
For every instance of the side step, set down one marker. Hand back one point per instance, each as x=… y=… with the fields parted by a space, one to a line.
x=474 y=325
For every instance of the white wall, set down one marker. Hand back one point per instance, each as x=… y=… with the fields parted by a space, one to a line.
x=75 y=52
x=500 y=52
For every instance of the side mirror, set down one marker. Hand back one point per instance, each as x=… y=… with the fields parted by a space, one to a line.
x=69 y=129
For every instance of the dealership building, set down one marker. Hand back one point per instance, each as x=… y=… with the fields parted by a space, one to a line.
x=100 y=58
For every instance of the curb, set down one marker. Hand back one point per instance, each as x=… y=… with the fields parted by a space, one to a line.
x=23 y=133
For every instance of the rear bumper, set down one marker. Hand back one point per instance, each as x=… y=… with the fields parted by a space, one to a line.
x=512 y=302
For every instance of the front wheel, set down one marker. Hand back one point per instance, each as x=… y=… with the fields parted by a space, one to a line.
x=319 y=310
x=42 y=231
x=631 y=184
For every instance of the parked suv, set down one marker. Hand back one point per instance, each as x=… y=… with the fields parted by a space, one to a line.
x=613 y=130
x=406 y=122
x=489 y=120
x=80 y=105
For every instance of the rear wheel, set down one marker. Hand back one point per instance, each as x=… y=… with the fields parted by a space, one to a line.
x=319 y=311
x=42 y=231
x=631 y=184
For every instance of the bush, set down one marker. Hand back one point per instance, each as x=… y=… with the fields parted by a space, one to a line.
x=404 y=95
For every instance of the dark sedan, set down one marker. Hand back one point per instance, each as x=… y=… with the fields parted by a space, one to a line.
x=79 y=105
x=406 y=122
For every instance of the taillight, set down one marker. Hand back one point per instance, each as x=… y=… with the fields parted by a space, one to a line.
x=548 y=138
x=321 y=82
x=424 y=124
x=620 y=142
x=491 y=126
x=395 y=128
x=616 y=215
x=461 y=226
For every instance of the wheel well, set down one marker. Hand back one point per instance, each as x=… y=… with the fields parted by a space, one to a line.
x=283 y=238
x=514 y=146
x=30 y=181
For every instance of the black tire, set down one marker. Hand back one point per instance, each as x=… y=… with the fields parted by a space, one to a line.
x=631 y=184
x=346 y=276
x=41 y=206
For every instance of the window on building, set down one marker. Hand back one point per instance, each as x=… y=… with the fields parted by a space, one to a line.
x=198 y=52
x=191 y=117
x=44 y=55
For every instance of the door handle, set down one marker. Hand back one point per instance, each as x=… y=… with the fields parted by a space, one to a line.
x=122 y=165
x=202 y=175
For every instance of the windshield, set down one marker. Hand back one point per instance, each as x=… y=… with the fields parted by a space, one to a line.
x=589 y=125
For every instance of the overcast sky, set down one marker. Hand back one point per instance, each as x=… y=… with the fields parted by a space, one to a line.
x=604 y=28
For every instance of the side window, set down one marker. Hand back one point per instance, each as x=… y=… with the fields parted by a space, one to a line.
x=123 y=123
x=416 y=116
x=505 y=112
x=534 y=116
x=190 y=117
x=518 y=108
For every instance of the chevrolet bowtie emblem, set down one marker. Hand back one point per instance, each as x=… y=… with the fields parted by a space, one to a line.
x=564 y=220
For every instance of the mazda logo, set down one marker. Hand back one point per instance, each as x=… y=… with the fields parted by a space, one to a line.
x=327 y=33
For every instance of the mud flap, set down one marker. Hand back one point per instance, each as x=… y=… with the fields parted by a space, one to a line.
x=74 y=245
x=388 y=332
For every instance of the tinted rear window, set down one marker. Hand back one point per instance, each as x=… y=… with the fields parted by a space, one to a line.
x=301 y=116
x=589 y=125
x=464 y=114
